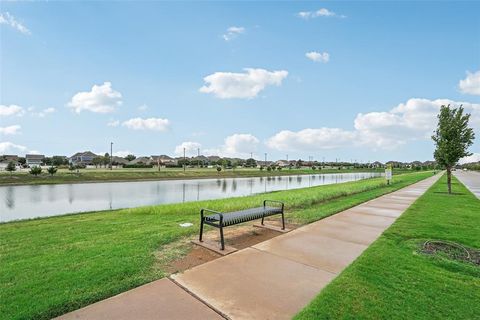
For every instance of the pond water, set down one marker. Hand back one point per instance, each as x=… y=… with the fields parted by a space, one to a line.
x=24 y=202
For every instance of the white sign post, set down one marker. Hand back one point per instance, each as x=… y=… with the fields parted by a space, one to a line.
x=388 y=173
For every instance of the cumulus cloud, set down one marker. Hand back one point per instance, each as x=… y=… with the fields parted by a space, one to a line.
x=471 y=84
x=233 y=32
x=154 y=124
x=310 y=139
x=247 y=85
x=42 y=113
x=9 y=20
x=191 y=148
x=413 y=120
x=11 y=148
x=318 y=56
x=10 y=130
x=100 y=99
x=319 y=13
x=122 y=153
x=475 y=157
x=236 y=145
x=11 y=110
x=113 y=123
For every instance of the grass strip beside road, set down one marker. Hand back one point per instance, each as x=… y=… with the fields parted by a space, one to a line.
x=54 y=265
x=393 y=280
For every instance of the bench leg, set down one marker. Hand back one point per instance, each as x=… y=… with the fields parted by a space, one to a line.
x=201 y=230
x=221 y=238
x=263 y=217
x=283 y=221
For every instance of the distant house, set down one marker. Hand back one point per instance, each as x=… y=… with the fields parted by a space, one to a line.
x=163 y=159
x=33 y=160
x=119 y=161
x=282 y=163
x=377 y=164
x=82 y=158
x=141 y=160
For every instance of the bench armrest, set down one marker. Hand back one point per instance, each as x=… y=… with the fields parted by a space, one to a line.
x=212 y=211
x=274 y=201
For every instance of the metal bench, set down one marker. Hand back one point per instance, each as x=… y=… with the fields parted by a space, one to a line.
x=221 y=220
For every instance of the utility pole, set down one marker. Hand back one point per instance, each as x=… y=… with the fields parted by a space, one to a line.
x=111 y=156
x=265 y=159
x=198 y=158
x=184 y=160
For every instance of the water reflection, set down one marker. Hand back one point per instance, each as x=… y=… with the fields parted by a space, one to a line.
x=22 y=202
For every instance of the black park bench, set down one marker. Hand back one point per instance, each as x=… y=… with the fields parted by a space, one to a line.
x=221 y=220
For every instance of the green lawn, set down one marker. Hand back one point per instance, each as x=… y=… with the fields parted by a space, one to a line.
x=54 y=265
x=392 y=280
x=103 y=175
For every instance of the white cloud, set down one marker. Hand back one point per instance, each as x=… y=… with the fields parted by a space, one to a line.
x=318 y=56
x=43 y=112
x=413 y=120
x=191 y=148
x=155 y=124
x=471 y=84
x=311 y=139
x=233 y=32
x=122 y=153
x=11 y=148
x=475 y=157
x=236 y=145
x=10 y=130
x=143 y=107
x=319 y=13
x=9 y=20
x=228 y=85
x=113 y=123
x=11 y=110
x=101 y=99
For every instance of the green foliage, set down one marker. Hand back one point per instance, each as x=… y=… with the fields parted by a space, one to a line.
x=11 y=166
x=250 y=163
x=35 y=170
x=71 y=167
x=52 y=170
x=452 y=138
x=130 y=157
x=219 y=168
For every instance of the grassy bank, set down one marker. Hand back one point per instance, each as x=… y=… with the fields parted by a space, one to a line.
x=393 y=280
x=105 y=175
x=54 y=265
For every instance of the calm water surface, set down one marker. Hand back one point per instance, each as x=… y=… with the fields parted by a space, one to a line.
x=23 y=202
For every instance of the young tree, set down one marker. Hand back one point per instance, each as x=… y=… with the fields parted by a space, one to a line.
x=52 y=170
x=35 y=170
x=11 y=167
x=130 y=157
x=452 y=139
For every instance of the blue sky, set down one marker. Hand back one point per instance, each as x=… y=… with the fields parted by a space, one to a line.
x=348 y=80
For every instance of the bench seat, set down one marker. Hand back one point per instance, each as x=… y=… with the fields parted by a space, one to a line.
x=237 y=217
x=224 y=219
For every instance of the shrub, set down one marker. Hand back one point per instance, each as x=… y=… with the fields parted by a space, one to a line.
x=35 y=171
x=52 y=170
x=219 y=168
x=138 y=165
x=11 y=167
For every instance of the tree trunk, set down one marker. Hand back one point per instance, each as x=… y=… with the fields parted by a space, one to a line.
x=449 y=179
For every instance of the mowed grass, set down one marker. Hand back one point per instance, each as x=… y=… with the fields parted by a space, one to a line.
x=104 y=175
x=392 y=280
x=54 y=265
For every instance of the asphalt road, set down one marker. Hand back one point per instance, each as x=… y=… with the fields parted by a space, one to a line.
x=471 y=179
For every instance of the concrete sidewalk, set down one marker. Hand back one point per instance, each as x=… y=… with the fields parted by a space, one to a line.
x=271 y=280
